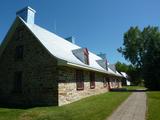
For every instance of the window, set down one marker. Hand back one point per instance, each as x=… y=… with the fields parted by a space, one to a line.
x=19 y=35
x=92 y=80
x=82 y=54
x=86 y=56
x=17 y=82
x=19 y=53
x=79 y=79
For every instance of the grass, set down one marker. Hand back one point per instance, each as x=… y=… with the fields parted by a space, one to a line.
x=92 y=108
x=153 y=103
x=8 y=114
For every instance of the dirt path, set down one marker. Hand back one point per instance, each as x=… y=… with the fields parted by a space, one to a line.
x=134 y=108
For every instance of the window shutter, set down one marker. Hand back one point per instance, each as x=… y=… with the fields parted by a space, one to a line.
x=92 y=80
x=79 y=80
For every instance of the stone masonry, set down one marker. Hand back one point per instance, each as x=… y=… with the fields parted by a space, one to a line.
x=39 y=68
x=43 y=81
x=67 y=85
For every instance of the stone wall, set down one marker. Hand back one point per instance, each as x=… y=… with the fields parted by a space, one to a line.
x=67 y=85
x=43 y=82
x=115 y=82
x=39 y=80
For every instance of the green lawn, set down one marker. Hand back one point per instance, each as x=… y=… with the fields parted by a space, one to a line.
x=134 y=87
x=153 y=103
x=92 y=108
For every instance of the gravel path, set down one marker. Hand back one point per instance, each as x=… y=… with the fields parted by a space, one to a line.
x=134 y=108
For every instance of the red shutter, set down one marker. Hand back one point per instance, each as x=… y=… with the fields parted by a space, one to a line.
x=105 y=82
x=79 y=80
x=92 y=80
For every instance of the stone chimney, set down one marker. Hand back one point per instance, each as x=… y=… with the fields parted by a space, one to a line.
x=27 y=14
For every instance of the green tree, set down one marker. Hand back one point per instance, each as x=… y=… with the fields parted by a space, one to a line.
x=121 y=67
x=131 y=46
x=151 y=65
x=132 y=72
x=142 y=49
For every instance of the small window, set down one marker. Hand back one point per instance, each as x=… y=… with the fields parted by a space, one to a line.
x=19 y=33
x=17 y=82
x=19 y=53
x=86 y=60
x=79 y=80
x=86 y=56
x=92 y=80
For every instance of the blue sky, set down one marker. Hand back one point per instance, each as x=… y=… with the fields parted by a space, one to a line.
x=96 y=24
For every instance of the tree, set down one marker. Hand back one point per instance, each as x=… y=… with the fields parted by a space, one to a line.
x=131 y=71
x=131 y=46
x=142 y=49
x=151 y=65
x=121 y=67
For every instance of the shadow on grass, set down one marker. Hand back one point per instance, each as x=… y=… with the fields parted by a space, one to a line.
x=11 y=106
x=126 y=90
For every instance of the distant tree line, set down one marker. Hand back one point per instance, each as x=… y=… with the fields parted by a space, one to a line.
x=142 y=49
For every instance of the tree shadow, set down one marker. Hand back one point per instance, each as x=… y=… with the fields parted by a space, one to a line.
x=126 y=90
x=12 y=106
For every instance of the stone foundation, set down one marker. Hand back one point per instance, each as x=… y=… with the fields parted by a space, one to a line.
x=67 y=91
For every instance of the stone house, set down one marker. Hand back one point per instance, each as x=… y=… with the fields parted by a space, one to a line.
x=38 y=67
